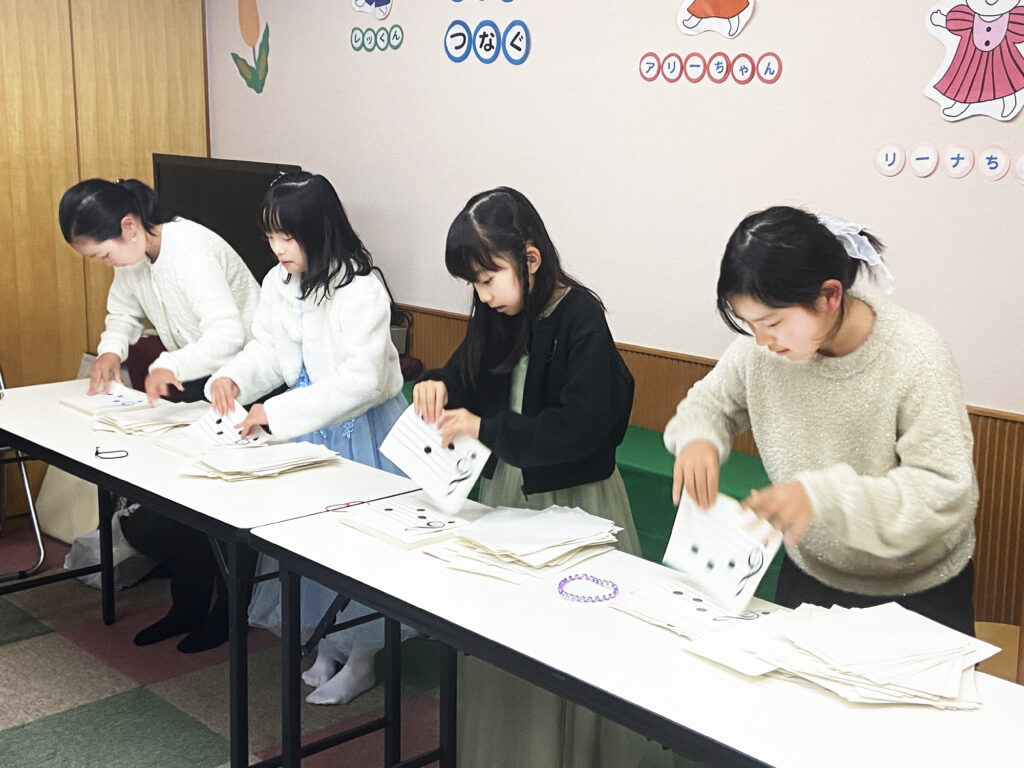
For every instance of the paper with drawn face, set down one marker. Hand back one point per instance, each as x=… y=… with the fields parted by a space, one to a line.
x=446 y=473
x=724 y=551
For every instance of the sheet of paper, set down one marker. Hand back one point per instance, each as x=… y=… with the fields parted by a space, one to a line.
x=724 y=550
x=447 y=473
x=117 y=397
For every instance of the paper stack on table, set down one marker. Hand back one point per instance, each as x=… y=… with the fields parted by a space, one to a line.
x=228 y=462
x=118 y=397
x=880 y=655
x=679 y=607
x=409 y=520
x=516 y=544
x=162 y=417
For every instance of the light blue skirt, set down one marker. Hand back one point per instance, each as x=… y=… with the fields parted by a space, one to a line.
x=359 y=440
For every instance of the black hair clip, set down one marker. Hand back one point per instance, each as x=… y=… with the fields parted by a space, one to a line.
x=117 y=453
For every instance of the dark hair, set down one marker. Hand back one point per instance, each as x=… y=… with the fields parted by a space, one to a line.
x=306 y=207
x=499 y=224
x=94 y=208
x=780 y=257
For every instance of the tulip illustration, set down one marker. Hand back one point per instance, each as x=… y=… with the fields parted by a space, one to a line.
x=254 y=75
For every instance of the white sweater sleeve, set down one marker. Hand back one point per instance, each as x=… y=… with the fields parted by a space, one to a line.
x=367 y=375
x=933 y=491
x=256 y=368
x=715 y=408
x=221 y=331
x=125 y=319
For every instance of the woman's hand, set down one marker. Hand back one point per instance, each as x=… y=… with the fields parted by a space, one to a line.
x=158 y=381
x=458 y=422
x=107 y=367
x=223 y=392
x=696 y=470
x=257 y=417
x=786 y=506
x=429 y=399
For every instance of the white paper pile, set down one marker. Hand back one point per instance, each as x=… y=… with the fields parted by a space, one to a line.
x=161 y=418
x=516 y=544
x=681 y=608
x=408 y=521
x=879 y=655
x=723 y=551
x=228 y=462
x=117 y=397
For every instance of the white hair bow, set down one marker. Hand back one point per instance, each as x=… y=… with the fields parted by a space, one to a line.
x=857 y=246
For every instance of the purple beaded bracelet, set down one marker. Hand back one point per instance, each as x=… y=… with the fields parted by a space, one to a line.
x=605 y=583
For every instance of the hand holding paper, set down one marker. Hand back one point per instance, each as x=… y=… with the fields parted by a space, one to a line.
x=446 y=473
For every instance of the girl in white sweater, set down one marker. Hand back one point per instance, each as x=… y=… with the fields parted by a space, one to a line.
x=857 y=411
x=323 y=328
x=200 y=296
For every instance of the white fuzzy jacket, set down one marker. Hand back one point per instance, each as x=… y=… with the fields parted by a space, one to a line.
x=344 y=341
x=879 y=439
x=199 y=296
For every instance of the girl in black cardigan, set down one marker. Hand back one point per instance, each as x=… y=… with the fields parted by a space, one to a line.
x=538 y=380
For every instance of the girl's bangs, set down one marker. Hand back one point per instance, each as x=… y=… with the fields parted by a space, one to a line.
x=278 y=215
x=468 y=252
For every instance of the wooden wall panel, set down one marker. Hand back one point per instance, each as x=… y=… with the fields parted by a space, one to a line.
x=662 y=378
x=42 y=297
x=140 y=77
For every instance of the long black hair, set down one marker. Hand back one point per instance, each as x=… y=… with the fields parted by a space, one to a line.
x=306 y=207
x=94 y=208
x=499 y=224
x=780 y=257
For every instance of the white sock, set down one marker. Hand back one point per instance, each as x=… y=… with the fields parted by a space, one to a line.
x=354 y=678
x=325 y=666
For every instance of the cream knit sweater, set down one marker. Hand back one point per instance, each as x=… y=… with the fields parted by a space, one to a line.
x=879 y=438
x=199 y=296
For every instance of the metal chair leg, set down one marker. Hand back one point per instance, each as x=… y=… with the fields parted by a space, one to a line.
x=20 y=460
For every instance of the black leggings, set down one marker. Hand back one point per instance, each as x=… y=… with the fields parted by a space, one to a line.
x=951 y=603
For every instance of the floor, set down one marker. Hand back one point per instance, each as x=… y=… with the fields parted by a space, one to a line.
x=75 y=693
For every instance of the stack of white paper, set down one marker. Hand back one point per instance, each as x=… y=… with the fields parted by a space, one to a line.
x=679 y=607
x=723 y=551
x=162 y=417
x=228 y=462
x=879 y=655
x=117 y=397
x=516 y=544
x=410 y=520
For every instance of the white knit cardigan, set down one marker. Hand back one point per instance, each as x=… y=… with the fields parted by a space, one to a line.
x=344 y=341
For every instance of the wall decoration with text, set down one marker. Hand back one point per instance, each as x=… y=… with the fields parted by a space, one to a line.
x=983 y=71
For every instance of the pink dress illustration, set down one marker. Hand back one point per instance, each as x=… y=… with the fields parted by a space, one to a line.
x=696 y=16
x=987 y=65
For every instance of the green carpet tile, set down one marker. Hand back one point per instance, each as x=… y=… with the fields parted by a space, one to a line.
x=136 y=729
x=17 y=625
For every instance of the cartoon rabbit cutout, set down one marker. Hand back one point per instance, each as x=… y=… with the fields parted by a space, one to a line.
x=727 y=17
x=983 y=72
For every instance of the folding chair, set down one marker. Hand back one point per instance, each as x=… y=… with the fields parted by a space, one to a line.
x=18 y=458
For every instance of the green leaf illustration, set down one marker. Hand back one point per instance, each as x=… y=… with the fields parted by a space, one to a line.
x=255 y=78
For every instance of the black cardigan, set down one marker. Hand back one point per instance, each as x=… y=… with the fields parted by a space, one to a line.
x=576 y=400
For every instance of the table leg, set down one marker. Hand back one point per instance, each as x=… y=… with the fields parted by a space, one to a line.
x=105 y=504
x=238 y=655
x=392 y=692
x=291 y=713
x=448 y=693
